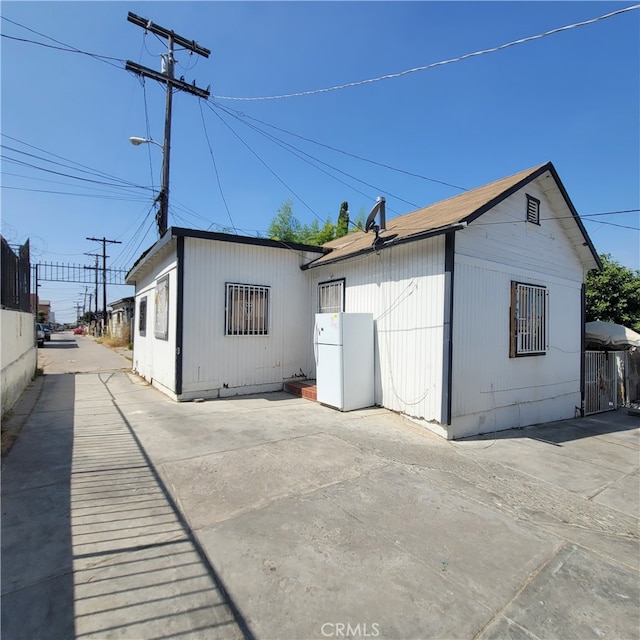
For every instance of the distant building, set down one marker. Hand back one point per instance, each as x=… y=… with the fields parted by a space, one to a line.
x=44 y=308
x=121 y=318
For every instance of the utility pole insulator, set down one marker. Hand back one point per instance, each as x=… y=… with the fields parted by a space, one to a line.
x=167 y=77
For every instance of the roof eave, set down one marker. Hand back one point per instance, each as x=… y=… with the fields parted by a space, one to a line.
x=394 y=242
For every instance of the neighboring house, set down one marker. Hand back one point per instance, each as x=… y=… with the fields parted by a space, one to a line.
x=44 y=308
x=478 y=304
x=121 y=318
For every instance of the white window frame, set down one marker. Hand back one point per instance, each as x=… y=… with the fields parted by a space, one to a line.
x=529 y=326
x=331 y=296
x=246 y=309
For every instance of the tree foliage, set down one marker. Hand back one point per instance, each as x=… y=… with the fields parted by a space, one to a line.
x=286 y=227
x=342 y=228
x=613 y=294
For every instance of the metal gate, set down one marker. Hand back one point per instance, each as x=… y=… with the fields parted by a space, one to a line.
x=601 y=381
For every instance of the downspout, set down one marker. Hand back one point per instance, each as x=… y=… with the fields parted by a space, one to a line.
x=583 y=315
x=447 y=355
x=179 y=313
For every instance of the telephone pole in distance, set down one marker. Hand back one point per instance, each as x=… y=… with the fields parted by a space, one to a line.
x=104 y=275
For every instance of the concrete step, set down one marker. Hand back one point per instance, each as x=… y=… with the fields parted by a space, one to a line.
x=303 y=388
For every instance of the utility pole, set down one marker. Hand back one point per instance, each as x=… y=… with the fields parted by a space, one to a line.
x=96 y=256
x=172 y=83
x=78 y=307
x=104 y=274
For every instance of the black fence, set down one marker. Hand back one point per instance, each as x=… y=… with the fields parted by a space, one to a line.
x=16 y=277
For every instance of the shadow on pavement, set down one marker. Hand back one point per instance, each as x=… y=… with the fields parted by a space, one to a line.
x=567 y=430
x=61 y=344
x=37 y=555
x=93 y=545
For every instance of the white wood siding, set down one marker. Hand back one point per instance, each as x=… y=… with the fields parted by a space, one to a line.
x=492 y=391
x=154 y=359
x=215 y=364
x=404 y=289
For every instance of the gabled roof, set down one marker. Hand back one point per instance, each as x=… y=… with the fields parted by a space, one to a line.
x=456 y=213
x=166 y=244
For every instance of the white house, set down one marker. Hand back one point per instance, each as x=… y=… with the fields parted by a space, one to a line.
x=478 y=304
x=121 y=318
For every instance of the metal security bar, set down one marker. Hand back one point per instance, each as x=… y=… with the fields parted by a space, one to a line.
x=600 y=381
x=331 y=296
x=530 y=319
x=65 y=272
x=246 y=310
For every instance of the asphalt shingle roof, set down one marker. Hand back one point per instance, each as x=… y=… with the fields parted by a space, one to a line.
x=433 y=218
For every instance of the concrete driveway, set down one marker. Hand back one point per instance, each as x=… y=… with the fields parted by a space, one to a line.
x=126 y=515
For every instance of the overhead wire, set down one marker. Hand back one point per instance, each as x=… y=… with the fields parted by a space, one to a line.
x=68 y=48
x=297 y=151
x=215 y=168
x=78 y=166
x=68 y=175
x=275 y=175
x=346 y=153
x=399 y=74
x=146 y=118
x=110 y=193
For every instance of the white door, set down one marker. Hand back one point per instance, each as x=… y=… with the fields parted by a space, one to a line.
x=329 y=380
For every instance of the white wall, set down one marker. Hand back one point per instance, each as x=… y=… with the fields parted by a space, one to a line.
x=217 y=365
x=153 y=358
x=492 y=391
x=18 y=353
x=404 y=289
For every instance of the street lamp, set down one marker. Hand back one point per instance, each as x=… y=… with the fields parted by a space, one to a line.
x=135 y=141
x=162 y=216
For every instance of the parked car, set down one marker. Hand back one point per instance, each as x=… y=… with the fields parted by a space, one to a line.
x=78 y=331
x=40 y=335
x=47 y=331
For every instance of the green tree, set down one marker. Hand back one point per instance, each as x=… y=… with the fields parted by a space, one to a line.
x=342 y=227
x=285 y=226
x=613 y=294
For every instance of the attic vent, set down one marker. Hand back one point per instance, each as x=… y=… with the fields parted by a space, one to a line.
x=533 y=209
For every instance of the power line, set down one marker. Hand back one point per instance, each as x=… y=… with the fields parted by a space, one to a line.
x=215 y=168
x=68 y=48
x=435 y=64
x=608 y=213
x=290 y=148
x=68 y=175
x=80 y=195
x=346 y=153
x=275 y=175
x=78 y=165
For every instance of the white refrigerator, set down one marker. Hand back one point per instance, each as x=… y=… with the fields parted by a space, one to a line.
x=343 y=349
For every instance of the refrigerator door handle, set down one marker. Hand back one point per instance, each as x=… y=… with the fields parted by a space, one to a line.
x=315 y=345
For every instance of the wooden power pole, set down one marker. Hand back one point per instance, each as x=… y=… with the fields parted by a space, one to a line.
x=167 y=77
x=104 y=275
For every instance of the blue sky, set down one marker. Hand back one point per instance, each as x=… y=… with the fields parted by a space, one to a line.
x=572 y=98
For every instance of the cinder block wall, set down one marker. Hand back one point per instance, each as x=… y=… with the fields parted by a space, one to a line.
x=18 y=355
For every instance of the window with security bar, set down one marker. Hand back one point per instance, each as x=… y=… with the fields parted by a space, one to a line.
x=142 y=317
x=331 y=296
x=529 y=320
x=246 y=310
